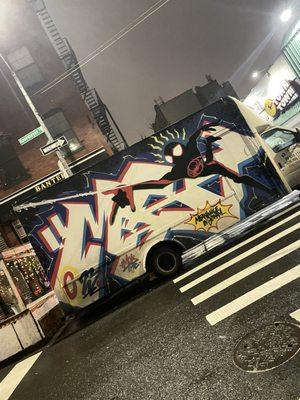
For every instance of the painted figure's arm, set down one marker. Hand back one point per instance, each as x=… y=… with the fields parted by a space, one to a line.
x=124 y=195
x=208 y=127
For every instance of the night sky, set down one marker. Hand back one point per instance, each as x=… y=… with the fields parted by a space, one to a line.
x=172 y=50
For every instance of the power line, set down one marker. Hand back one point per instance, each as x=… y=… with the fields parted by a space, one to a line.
x=104 y=46
x=101 y=46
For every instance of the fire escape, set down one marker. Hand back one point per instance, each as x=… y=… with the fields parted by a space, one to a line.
x=90 y=96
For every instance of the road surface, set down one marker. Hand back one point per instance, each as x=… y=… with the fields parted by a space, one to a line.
x=177 y=341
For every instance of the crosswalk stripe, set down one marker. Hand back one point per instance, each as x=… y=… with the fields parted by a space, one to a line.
x=296 y=315
x=254 y=295
x=246 y=272
x=232 y=249
x=238 y=258
x=15 y=376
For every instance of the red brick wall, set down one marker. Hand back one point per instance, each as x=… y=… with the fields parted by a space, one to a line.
x=19 y=26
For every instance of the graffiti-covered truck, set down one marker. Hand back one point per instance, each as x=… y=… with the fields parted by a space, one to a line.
x=137 y=211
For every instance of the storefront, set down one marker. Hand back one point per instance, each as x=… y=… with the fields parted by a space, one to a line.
x=276 y=96
x=29 y=309
x=26 y=272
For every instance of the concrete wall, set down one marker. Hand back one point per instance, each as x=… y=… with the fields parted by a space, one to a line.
x=48 y=313
x=18 y=333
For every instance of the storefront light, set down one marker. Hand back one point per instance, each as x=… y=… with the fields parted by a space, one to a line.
x=74 y=146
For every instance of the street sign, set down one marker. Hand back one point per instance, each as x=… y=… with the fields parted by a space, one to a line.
x=30 y=135
x=54 y=146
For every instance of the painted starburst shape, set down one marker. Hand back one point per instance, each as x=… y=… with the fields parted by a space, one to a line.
x=208 y=217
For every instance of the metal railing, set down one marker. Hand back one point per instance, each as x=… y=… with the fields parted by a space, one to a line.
x=90 y=96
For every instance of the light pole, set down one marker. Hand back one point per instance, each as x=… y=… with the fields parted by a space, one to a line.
x=62 y=163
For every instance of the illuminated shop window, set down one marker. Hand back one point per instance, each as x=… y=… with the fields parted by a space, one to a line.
x=8 y=302
x=58 y=126
x=29 y=277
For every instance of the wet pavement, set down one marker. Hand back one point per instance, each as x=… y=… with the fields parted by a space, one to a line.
x=160 y=345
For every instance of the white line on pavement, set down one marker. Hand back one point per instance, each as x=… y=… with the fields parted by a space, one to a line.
x=239 y=258
x=232 y=249
x=254 y=295
x=296 y=315
x=246 y=272
x=15 y=376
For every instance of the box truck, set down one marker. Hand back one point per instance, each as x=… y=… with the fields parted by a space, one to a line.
x=137 y=211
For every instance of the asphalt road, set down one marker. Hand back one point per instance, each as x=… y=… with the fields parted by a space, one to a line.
x=177 y=340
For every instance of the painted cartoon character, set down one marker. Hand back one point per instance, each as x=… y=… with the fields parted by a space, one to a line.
x=187 y=163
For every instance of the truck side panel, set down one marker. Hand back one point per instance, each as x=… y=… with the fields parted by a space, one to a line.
x=92 y=231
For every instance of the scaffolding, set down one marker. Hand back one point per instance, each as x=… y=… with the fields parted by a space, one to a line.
x=91 y=97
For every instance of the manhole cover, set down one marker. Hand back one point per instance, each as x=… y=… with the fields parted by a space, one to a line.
x=268 y=347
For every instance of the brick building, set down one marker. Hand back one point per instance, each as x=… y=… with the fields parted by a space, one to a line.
x=34 y=49
x=189 y=102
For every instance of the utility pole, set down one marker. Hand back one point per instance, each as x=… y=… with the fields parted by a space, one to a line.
x=62 y=163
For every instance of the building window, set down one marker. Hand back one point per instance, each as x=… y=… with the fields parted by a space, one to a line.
x=3 y=244
x=27 y=70
x=12 y=171
x=58 y=126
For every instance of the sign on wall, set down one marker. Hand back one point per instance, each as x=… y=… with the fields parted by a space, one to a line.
x=49 y=182
x=276 y=92
x=287 y=96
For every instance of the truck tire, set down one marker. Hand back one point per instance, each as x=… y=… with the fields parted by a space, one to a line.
x=165 y=261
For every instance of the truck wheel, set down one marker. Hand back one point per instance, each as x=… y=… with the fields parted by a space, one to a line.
x=166 y=261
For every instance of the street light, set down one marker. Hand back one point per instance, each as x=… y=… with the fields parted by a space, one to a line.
x=255 y=74
x=286 y=15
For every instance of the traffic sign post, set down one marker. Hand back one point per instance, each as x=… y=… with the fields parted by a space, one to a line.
x=54 y=146
x=62 y=163
x=31 y=135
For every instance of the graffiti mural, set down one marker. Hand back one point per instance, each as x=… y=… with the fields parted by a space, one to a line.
x=209 y=217
x=93 y=230
x=187 y=162
x=129 y=263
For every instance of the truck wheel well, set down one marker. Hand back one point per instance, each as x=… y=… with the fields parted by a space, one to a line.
x=165 y=243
